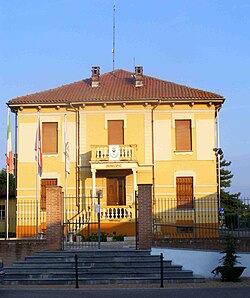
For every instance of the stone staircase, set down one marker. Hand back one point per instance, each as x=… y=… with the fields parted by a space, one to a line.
x=95 y=267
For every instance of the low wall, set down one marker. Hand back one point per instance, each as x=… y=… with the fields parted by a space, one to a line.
x=201 y=262
x=243 y=244
x=17 y=250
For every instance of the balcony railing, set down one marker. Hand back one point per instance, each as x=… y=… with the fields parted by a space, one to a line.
x=113 y=152
x=114 y=213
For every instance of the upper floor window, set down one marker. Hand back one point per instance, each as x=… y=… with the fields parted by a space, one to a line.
x=183 y=135
x=50 y=137
x=184 y=192
x=115 y=132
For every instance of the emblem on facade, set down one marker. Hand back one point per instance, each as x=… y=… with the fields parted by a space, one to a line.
x=114 y=151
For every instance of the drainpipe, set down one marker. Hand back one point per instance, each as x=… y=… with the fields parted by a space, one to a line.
x=153 y=149
x=16 y=156
x=77 y=158
x=218 y=152
x=77 y=153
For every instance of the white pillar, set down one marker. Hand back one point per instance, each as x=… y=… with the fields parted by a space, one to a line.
x=93 y=171
x=134 y=184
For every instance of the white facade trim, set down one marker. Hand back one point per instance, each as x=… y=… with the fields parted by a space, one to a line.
x=185 y=173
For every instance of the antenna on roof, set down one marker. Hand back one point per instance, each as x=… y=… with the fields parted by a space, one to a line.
x=133 y=63
x=113 y=49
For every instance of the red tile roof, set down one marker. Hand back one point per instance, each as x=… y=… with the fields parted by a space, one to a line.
x=116 y=86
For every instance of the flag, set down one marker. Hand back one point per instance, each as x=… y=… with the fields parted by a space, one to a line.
x=9 y=155
x=38 y=148
x=67 y=160
x=66 y=148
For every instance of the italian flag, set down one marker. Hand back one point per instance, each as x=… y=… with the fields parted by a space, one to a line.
x=9 y=155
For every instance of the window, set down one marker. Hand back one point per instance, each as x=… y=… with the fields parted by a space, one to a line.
x=44 y=184
x=50 y=137
x=115 y=132
x=183 y=135
x=2 y=212
x=184 y=192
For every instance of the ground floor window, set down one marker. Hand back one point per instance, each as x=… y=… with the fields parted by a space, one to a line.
x=184 y=192
x=2 y=212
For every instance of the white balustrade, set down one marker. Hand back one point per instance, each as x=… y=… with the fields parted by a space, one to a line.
x=126 y=152
x=116 y=213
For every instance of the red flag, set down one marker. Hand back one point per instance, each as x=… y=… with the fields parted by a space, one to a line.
x=38 y=148
x=9 y=155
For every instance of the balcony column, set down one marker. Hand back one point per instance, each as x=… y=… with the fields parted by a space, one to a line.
x=93 y=172
x=134 y=184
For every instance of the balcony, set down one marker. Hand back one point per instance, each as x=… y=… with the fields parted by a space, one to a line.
x=113 y=153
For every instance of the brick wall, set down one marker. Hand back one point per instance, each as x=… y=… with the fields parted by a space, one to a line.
x=144 y=216
x=54 y=216
x=16 y=249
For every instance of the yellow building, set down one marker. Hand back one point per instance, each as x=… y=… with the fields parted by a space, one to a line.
x=11 y=213
x=112 y=132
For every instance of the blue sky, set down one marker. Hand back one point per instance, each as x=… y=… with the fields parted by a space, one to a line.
x=202 y=44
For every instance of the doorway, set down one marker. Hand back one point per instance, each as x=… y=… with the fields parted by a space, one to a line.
x=116 y=191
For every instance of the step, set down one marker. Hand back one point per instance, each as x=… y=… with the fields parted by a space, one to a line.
x=95 y=267
x=100 y=281
x=95 y=257
x=91 y=253
x=91 y=270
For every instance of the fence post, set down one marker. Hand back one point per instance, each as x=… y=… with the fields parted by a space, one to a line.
x=161 y=258
x=54 y=206
x=145 y=216
x=76 y=270
x=136 y=220
x=194 y=228
x=99 y=221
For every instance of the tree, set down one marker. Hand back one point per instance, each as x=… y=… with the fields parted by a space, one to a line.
x=228 y=201
x=3 y=180
x=231 y=202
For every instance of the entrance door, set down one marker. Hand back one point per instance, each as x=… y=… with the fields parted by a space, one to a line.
x=116 y=194
x=44 y=184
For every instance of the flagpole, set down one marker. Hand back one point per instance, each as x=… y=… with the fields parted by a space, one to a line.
x=7 y=205
x=8 y=163
x=65 y=157
x=37 y=198
x=37 y=169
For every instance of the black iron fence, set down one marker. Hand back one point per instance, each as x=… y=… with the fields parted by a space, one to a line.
x=205 y=220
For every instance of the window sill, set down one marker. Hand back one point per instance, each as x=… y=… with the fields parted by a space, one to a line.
x=183 y=152
x=50 y=154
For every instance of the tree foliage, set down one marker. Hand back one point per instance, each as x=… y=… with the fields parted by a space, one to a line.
x=3 y=180
x=231 y=202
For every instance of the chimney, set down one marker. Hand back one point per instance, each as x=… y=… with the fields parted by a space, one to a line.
x=95 y=76
x=138 y=76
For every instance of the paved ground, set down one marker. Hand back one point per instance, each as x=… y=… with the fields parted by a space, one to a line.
x=126 y=293
x=209 y=283
x=208 y=289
